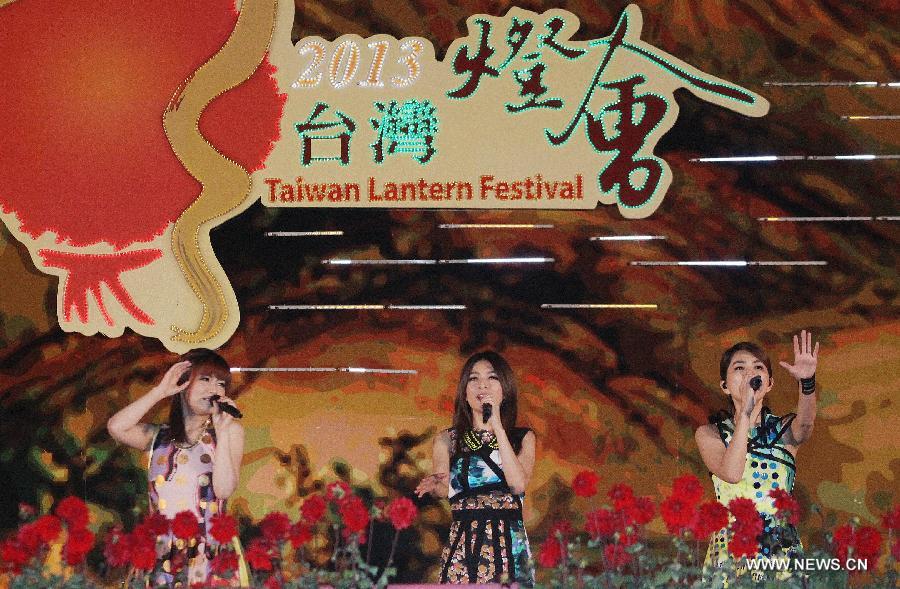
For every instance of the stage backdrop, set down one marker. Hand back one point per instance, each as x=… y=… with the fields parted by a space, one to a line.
x=619 y=391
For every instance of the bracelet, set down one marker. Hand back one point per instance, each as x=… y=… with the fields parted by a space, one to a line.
x=808 y=385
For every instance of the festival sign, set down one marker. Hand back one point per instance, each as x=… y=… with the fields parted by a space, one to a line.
x=116 y=165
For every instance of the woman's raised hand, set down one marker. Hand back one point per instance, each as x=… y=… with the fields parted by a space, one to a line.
x=169 y=383
x=806 y=357
x=432 y=483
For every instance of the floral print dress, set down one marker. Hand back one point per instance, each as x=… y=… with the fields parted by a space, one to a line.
x=769 y=465
x=488 y=542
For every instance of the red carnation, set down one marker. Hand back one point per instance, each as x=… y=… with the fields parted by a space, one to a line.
x=710 y=517
x=117 y=548
x=601 y=523
x=891 y=519
x=787 y=506
x=275 y=527
x=622 y=496
x=78 y=544
x=155 y=524
x=47 y=528
x=561 y=528
x=688 y=488
x=143 y=551
x=354 y=515
x=300 y=534
x=585 y=483
x=615 y=556
x=13 y=553
x=642 y=511
x=337 y=491
x=313 y=508
x=73 y=511
x=551 y=553
x=402 y=513
x=185 y=525
x=677 y=513
x=224 y=563
x=742 y=545
x=29 y=536
x=259 y=555
x=865 y=543
x=223 y=528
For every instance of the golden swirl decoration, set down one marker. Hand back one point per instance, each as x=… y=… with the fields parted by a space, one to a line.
x=225 y=183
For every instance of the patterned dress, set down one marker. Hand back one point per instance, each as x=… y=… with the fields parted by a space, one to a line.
x=180 y=479
x=769 y=465
x=488 y=543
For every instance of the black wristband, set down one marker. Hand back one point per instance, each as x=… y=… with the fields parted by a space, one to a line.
x=808 y=385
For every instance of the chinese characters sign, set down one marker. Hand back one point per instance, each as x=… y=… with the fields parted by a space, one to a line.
x=518 y=115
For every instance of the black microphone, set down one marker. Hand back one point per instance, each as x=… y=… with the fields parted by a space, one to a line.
x=755 y=383
x=486 y=411
x=229 y=409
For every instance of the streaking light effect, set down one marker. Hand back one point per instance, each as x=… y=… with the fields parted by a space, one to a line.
x=302 y=233
x=360 y=370
x=865 y=84
x=887 y=218
x=733 y=263
x=870 y=118
x=348 y=262
x=499 y=261
x=812 y=219
x=796 y=158
x=627 y=237
x=597 y=306
x=350 y=369
x=367 y=307
x=495 y=226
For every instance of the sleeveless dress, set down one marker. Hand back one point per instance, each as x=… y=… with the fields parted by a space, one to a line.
x=769 y=465
x=180 y=479
x=488 y=542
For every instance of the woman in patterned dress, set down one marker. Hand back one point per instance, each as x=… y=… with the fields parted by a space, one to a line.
x=483 y=464
x=750 y=452
x=194 y=459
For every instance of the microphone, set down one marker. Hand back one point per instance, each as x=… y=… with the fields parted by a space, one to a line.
x=229 y=409
x=486 y=411
x=755 y=383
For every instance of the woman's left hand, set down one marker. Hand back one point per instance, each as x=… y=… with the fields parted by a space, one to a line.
x=222 y=421
x=806 y=357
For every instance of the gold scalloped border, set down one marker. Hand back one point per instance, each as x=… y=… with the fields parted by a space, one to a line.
x=225 y=183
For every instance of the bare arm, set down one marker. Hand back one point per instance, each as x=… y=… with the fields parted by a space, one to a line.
x=517 y=468
x=438 y=482
x=125 y=426
x=806 y=359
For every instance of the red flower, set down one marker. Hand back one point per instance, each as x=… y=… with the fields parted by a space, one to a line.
x=224 y=563
x=13 y=553
x=313 y=508
x=601 y=523
x=746 y=519
x=275 y=527
x=354 y=515
x=185 y=525
x=223 y=528
x=615 y=556
x=742 y=545
x=642 y=511
x=551 y=553
x=677 y=513
x=402 y=513
x=622 y=496
x=561 y=528
x=259 y=555
x=272 y=583
x=300 y=534
x=73 y=511
x=155 y=524
x=895 y=550
x=117 y=548
x=891 y=519
x=787 y=506
x=47 y=528
x=710 y=517
x=29 y=536
x=78 y=544
x=337 y=491
x=863 y=543
x=688 y=488
x=585 y=483
x=143 y=551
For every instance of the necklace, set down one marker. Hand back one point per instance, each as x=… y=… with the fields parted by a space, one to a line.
x=189 y=445
x=475 y=443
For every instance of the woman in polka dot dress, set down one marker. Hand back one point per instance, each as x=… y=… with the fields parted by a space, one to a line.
x=194 y=459
x=750 y=451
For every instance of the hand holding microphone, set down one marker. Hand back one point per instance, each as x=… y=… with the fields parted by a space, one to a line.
x=486 y=411
x=226 y=407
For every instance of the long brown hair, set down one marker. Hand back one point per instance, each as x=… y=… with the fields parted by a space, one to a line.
x=204 y=362
x=509 y=407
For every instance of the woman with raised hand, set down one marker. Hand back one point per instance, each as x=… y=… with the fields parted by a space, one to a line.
x=749 y=451
x=195 y=458
x=483 y=464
